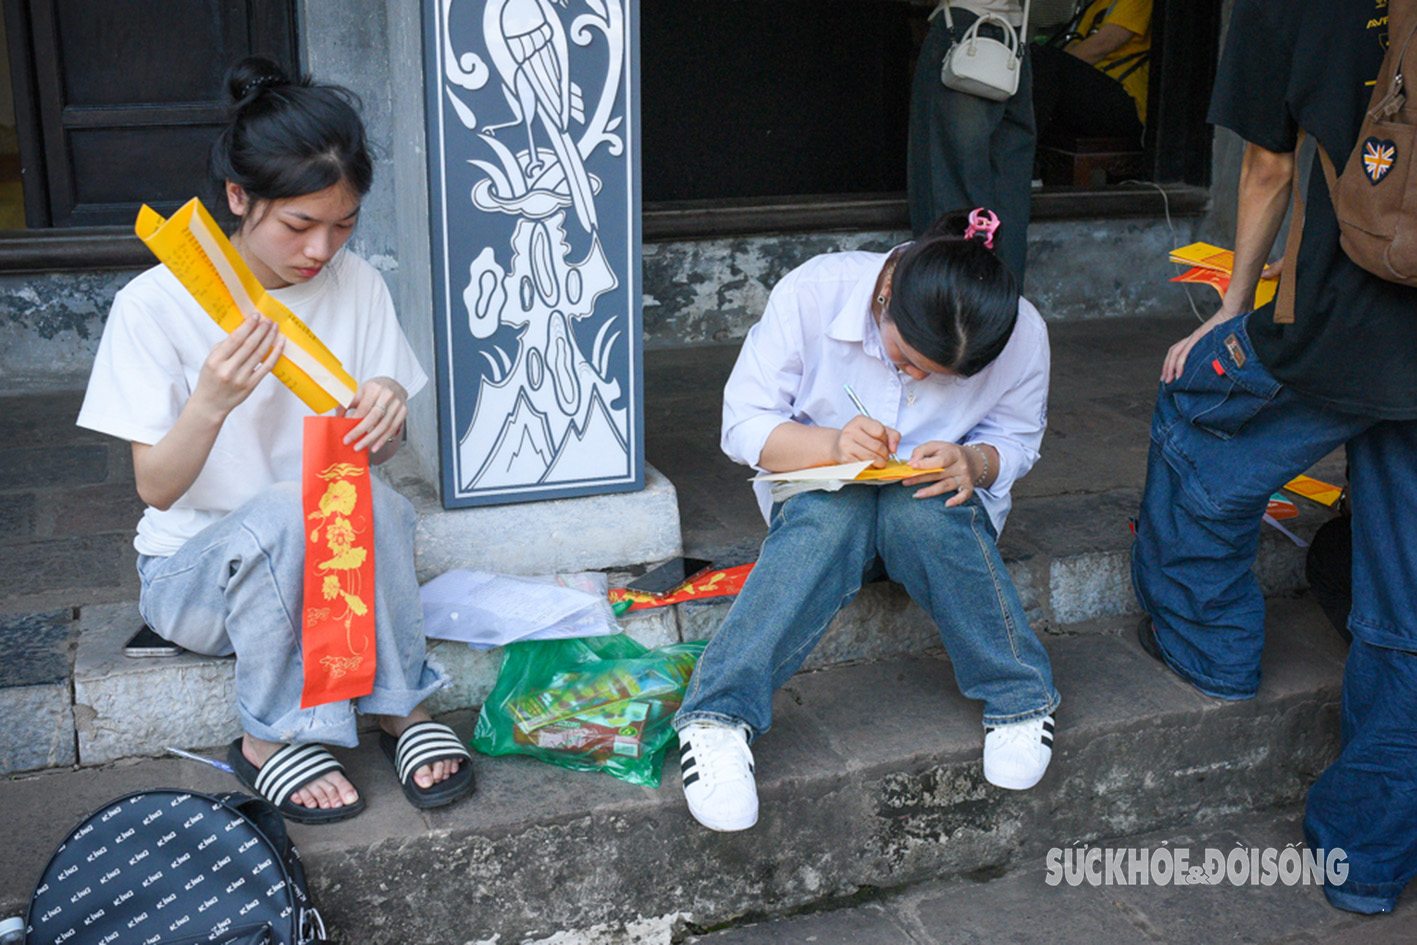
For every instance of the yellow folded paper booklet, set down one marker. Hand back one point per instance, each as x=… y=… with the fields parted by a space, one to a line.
x=890 y=472
x=1205 y=256
x=198 y=253
x=1320 y=492
x=846 y=472
x=1213 y=266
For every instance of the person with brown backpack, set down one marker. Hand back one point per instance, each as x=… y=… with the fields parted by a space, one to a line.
x=1252 y=398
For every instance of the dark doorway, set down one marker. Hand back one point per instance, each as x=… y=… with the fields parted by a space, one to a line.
x=752 y=98
x=116 y=102
x=784 y=109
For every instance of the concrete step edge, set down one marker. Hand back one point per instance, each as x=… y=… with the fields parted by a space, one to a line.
x=870 y=776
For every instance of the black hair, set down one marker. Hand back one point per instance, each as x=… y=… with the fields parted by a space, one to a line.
x=289 y=137
x=952 y=299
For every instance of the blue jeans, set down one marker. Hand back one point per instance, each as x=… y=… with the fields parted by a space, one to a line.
x=964 y=151
x=1222 y=442
x=237 y=586
x=1366 y=801
x=820 y=545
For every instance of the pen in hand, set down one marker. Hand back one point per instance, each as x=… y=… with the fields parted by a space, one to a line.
x=861 y=409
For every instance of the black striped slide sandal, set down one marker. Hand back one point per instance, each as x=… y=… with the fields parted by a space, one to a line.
x=424 y=743
x=287 y=771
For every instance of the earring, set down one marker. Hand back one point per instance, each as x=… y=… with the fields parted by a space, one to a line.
x=885 y=294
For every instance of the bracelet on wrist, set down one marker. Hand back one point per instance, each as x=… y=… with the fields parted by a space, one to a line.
x=984 y=456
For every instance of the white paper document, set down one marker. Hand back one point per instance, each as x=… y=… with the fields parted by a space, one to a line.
x=846 y=471
x=486 y=610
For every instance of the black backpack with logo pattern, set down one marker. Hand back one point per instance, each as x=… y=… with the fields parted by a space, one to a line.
x=173 y=867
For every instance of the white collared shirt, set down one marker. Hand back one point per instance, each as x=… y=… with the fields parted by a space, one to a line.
x=817 y=334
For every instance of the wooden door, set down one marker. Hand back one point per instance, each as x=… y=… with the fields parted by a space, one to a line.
x=118 y=100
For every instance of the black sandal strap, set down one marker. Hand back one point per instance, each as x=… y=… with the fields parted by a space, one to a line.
x=424 y=743
x=290 y=769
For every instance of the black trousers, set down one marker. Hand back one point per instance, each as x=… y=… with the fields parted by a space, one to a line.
x=966 y=151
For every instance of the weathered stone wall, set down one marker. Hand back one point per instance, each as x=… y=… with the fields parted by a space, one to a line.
x=50 y=324
x=708 y=291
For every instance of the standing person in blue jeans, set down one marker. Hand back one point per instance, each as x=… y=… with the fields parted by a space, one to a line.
x=967 y=151
x=1246 y=404
x=952 y=365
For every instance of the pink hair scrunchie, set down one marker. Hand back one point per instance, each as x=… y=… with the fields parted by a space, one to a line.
x=982 y=221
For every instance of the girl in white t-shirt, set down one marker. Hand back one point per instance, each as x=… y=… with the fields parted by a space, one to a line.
x=217 y=454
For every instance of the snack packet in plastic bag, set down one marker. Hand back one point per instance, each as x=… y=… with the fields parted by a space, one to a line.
x=591 y=704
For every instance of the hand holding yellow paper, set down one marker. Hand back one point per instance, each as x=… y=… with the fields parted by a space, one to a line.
x=198 y=253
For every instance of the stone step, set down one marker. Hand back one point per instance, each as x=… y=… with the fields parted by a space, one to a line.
x=1068 y=556
x=1022 y=907
x=870 y=778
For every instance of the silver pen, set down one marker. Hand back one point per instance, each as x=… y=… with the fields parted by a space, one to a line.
x=861 y=409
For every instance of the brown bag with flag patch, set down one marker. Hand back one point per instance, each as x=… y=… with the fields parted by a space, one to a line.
x=1375 y=198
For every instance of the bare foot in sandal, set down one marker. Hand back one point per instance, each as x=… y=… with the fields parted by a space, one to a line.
x=330 y=790
x=427 y=775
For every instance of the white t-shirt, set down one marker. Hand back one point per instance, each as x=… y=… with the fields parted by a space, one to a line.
x=154 y=344
x=817 y=334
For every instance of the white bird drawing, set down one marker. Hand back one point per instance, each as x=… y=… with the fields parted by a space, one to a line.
x=527 y=43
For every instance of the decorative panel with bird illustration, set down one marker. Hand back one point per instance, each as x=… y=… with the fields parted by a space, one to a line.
x=534 y=188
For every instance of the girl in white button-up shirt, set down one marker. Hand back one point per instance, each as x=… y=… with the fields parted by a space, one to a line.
x=951 y=365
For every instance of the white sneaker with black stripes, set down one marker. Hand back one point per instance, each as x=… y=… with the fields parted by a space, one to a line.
x=717 y=765
x=1015 y=756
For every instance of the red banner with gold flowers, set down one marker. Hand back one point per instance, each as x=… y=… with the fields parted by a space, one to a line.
x=338 y=621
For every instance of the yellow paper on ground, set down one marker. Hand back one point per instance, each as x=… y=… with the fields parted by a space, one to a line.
x=1213 y=266
x=193 y=247
x=1320 y=492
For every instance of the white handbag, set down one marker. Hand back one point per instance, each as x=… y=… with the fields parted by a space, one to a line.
x=981 y=65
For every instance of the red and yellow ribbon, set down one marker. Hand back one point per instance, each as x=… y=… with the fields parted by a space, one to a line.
x=337 y=637
x=723 y=583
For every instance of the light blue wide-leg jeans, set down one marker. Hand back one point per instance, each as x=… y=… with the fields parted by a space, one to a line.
x=237 y=587
x=819 y=547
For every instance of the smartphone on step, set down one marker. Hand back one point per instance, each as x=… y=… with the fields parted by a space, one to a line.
x=147 y=643
x=670 y=576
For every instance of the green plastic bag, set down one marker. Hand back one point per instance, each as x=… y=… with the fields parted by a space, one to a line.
x=589 y=704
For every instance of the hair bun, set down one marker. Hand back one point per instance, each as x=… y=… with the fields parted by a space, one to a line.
x=247 y=78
